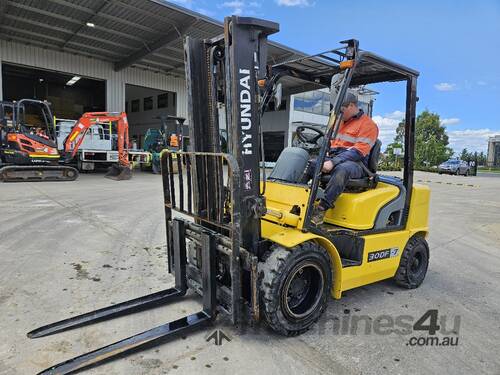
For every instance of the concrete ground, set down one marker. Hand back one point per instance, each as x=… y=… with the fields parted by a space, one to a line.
x=67 y=248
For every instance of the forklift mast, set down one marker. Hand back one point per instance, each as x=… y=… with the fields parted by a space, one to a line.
x=231 y=66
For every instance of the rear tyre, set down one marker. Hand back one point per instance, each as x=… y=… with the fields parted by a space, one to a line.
x=413 y=264
x=295 y=287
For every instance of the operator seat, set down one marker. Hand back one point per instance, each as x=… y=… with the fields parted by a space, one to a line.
x=367 y=182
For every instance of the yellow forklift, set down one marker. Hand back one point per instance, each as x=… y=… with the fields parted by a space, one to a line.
x=244 y=241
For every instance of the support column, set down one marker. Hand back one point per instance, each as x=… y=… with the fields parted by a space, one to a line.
x=1 y=82
x=115 y=94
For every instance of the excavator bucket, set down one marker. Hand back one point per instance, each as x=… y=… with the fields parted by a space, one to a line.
x=119 y=172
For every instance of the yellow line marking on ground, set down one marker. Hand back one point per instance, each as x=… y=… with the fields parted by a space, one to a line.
x=449 y=183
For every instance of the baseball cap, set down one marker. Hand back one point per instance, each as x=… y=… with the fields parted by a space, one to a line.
x=349 y=98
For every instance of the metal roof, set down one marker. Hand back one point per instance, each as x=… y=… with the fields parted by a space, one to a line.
x=146 y=34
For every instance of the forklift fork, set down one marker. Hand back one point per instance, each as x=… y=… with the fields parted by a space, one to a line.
x=154 y=336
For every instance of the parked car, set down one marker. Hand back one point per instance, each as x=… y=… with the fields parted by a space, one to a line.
x=458 y=167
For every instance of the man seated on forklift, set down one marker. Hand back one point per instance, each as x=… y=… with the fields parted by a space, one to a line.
x=356 y=136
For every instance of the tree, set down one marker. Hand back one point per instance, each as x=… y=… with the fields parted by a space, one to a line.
x=400 y=133
x=465 y=155
x=391 y=157
x=399 y=141
x=431 y=140
x=481 y=158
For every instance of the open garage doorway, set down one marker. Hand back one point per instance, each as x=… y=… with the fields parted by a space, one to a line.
x=143 y=106
x=70 y=95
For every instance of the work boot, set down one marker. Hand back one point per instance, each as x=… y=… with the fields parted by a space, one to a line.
x=318 y=214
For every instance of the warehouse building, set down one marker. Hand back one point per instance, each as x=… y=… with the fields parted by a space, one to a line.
x=493 y=156
x=123 y=55
x=95 y=55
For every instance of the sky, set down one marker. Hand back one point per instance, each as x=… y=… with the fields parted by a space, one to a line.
x=455 y=45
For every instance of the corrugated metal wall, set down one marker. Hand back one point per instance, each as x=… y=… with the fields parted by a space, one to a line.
x=16 y=53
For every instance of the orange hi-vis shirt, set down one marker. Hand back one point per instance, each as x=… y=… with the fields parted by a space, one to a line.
x=359 y=132
x=174 y=140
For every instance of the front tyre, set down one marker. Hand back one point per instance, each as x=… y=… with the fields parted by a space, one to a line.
x=295 y=287
x=413 y=264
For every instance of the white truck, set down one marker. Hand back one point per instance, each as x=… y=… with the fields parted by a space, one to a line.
x=98 y=148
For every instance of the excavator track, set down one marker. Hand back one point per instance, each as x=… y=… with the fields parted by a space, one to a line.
x=37 y=173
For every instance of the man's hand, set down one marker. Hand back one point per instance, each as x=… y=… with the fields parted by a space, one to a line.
x=330 y=164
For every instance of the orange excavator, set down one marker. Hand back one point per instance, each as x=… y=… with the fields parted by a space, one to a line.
x=119 y=171
x=28 y=143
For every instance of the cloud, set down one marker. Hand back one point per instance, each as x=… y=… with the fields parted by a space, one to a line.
x=239 y=7
x=445 y=86
x=205 y=12
x=233 y=4
x=294 y=3
x=471 y=139
x=450 y=121
x=397 y=115
x=387 y=125
x=481 y=83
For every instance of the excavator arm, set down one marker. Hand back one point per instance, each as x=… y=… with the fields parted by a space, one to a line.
x=74 y=140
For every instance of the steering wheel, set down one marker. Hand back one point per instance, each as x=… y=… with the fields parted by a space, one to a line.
x=306 y=140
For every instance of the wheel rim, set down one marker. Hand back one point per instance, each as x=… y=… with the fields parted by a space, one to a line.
x=418 y=263
x=303 y=290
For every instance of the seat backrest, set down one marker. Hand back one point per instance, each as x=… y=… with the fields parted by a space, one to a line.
x=374 y=156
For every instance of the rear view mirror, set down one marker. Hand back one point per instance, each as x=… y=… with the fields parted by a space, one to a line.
x=277 y=95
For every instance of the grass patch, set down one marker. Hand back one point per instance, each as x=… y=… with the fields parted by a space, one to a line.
x=489 y=170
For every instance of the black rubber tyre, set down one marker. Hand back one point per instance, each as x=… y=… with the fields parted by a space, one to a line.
x=413 y=264
x=295 y=287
